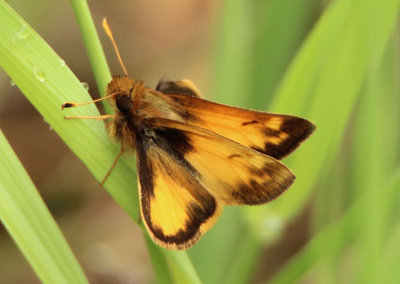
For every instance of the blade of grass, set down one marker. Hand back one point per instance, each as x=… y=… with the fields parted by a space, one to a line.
x=159 y=261
x=328 y=205
x=342 y=46
x=181 y=267
x=337 y=235
x=47 y=82
x=388 y=265
x=317 y=86
x=170 y=266
x=367 y=158
x=30 y=224
x=388 y=269
x=93 y=45
x=369 y=172
x=245 y=260
x=280 y=27
x=228 y=232
x=231 y=76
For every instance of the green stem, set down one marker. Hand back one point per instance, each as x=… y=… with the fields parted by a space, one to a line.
x=93 y=45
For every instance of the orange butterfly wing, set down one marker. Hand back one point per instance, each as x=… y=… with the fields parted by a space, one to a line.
x=187 y=174
x=271 y=134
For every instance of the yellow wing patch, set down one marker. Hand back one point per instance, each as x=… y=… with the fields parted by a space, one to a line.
x=176 y=209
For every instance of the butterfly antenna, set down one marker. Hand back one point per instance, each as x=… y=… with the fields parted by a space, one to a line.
x=107 y=29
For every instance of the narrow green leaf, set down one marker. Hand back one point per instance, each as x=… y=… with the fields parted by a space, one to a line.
x=388 y=268
x=231 y=76
x=337 y=235
x=317 y=86
x=181 y=267
x=280 y=27
x=47 y=82
x=93 y=45
x=369 y=172
x=159 y=261
x=30 y=224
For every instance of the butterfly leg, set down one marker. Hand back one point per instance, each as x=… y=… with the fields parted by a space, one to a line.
x=113 y=164
x=99 y=117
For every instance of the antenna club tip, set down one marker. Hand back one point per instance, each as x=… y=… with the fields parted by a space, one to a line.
x=67 y=105
x=106 y=27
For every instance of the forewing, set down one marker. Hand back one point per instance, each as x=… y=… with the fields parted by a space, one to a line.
x=229 y=171
x=271 y=134
x=176 y=209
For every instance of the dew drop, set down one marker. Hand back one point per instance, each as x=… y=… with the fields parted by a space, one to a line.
x=85 y=85
x=12 y=83
x=23 y=33
x=62 y=62
x=39 y=74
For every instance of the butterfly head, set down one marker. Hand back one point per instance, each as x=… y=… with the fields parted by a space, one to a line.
x=125 y=90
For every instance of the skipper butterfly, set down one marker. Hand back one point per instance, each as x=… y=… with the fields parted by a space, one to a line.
x=194 y=156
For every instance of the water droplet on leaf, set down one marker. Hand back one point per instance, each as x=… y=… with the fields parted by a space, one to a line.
x=39 y=74
x=85 y=85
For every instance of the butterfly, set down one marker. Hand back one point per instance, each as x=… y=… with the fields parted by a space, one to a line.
x=194 y=156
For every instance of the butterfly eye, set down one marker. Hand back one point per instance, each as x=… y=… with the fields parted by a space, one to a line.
x=124 y=103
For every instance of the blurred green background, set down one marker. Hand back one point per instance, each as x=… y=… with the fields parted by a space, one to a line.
x=335 y=63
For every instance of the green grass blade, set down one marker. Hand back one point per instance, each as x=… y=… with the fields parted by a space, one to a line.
x=181 y=267
x=369 y=172
x=389 y=261
x=93 y=45
x=159 y=261
x=231 y=76
x=30 y=224
x=343 y=45
x=280 y=27
x=388 y=269
x=171 y=266
x=324 y=83
x=228 y=232
x=337 y=235
x=47 y=82
x=326 y=210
